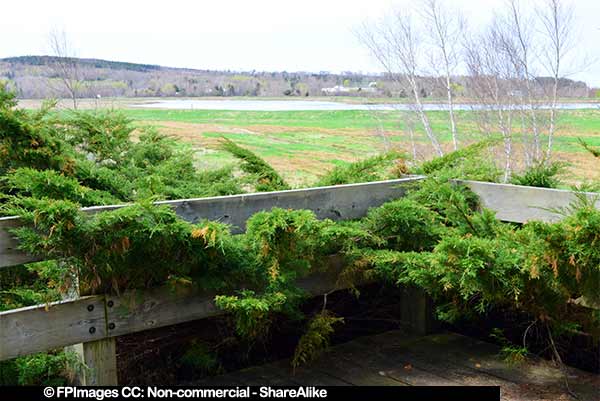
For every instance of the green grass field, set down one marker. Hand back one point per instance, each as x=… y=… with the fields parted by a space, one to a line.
x=304 y=144
x=571 y=123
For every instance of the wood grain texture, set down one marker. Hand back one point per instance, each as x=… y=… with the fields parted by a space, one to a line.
x=519 y=204
x=149 y=309
x=387 y=364
x=339 y=202
x=143 y=310
x=417 y=311
x=100 y=358
x=342 y=366
x=97 y=363
x=446 y=359
x=10 y=255
x=40 y=328
x=97 y=360
x=512 y=203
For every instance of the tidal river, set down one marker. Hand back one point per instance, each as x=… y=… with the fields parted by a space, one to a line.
x=309 y=105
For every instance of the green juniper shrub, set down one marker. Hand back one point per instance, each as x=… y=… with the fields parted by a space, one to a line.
x=466 y=163
x=54 y=185
x=343 y=236
x=511 y=353
x=541 y=174
x=267 y=179
x=376 y=168
x=111 y=250
x=316 y=338
x=8 y=99
x=32 y=140
x=94 y=158
x=43 y=369
x=285 y=242
x=152 y=149
x=405 y=225
x=201 y=359
x=253 y=312
x=46 y=369
x=453 y=203
x=33 y=284
x=159 y=168
x=465 y=274
x=103 y=136
x=440 y=241
x=565 y=254
x=593 y=150
x=474 y=273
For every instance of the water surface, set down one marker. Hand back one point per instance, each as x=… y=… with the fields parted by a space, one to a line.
x=316 y=105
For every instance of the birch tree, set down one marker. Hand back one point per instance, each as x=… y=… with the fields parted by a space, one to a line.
x=558 y=31
x=396 y=44
x=491 y=78
x=444 y=28
x=515 y=36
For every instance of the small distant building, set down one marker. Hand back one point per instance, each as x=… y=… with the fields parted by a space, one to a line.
x=341 y=89
x=516 y=93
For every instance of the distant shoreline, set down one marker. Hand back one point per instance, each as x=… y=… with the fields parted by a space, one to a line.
x=139 y=102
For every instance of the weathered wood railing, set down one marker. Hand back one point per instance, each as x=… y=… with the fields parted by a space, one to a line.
x=93 y=322
x=519 y=204
x=341 y=202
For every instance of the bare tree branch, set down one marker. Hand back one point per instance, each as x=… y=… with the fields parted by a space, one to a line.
x=444 y=28
x=557 y=29
x=64 y=64
x=394 y=43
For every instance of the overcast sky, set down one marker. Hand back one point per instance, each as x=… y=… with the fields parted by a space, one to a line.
x=271 y=35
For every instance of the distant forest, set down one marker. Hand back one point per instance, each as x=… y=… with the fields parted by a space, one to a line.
x=34 y=77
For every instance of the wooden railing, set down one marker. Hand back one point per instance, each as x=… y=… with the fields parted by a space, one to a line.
x=91 y=323
x=519 y=204
x=340 y=202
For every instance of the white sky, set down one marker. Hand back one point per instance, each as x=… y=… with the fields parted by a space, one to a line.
x=269 y=35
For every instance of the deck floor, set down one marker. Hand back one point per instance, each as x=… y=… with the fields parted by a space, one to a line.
x=396 y=359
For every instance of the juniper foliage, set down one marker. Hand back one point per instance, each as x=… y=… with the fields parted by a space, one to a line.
x=267 y=179
x=376 y=168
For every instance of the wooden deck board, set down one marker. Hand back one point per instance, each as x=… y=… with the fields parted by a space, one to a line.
x=395 y=366
x=467 y=356
x=396 y=359
x=350 y=371
x=311 y=377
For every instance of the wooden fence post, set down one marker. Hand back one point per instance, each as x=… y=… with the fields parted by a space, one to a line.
x=96 y=360
x=417 y=311
x=98 y=363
